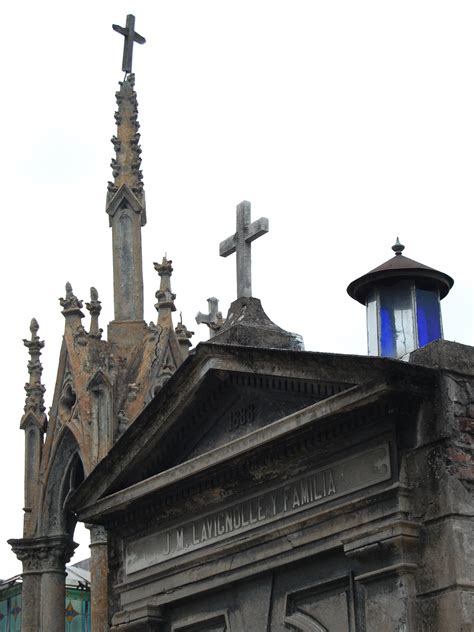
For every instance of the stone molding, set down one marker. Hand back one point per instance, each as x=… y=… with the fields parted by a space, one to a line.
x=393 y=545
x=145 y=619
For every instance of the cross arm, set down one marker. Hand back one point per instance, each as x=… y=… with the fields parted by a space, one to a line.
x=120 y=29
x=203 y=318
x=228 y=246
x=139 y=39
x=257 y=228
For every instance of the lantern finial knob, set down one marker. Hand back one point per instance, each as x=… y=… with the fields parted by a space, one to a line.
x=398 y=248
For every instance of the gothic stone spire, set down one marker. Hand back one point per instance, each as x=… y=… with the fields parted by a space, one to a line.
x=126 y=207
x=34 y=405
x=127 y=161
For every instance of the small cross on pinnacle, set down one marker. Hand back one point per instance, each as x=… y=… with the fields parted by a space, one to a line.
x=213 y=319
x=130 y=37
x=240 y=244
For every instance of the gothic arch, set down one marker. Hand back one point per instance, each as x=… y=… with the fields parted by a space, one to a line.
x=65 y=473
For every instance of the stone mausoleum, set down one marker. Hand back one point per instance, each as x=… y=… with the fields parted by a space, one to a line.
x=249 y=485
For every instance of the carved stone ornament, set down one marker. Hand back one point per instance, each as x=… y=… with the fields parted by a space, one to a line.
x=70 y=303
x=68 y=400
x=94 y=307
x=126 y=163
x=164 y=295
x=183 y=334
x=98 y=534
x=42 y=554
x=123 y=421
x=34 y=404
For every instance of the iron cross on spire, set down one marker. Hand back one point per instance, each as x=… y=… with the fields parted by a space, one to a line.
x=240 y=244
x=130 y=37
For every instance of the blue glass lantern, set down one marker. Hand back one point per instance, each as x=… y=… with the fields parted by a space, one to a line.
x=402 y=298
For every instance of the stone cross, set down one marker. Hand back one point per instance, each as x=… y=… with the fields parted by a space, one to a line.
x=213 y=319
x=240 y=244
x=130 y=37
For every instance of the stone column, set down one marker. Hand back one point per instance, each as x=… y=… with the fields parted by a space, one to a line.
x=99 y=567
x=57 y=551
x=28 y=554
x=44 y=563
x=53 y=597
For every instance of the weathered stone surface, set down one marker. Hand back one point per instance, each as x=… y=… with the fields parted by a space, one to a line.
x=248 y=325
x=447 y=355
x=378 y=517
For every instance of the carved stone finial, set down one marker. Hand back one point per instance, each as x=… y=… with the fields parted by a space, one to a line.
x=34 y=404
x=184 y=337
x=127 y=161
x=70 y=302
x=34 y=327
x=165 y=296
x=213 y=319
x=94 y=308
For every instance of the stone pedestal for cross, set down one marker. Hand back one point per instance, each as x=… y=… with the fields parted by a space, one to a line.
x=240 y=244
x=213 y=319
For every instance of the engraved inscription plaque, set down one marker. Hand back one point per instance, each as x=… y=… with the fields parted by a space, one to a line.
x=315 y=488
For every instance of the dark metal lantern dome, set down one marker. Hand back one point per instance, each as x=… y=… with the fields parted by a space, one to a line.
x=397 y=268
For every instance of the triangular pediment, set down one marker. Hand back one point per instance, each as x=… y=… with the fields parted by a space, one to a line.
x=98 y=381
x=225 y=401
x=226 y=406
x=232 y=404
x=125 y=197
x=218 y=395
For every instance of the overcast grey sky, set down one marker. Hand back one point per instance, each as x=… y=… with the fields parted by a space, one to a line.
x=345 y=123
